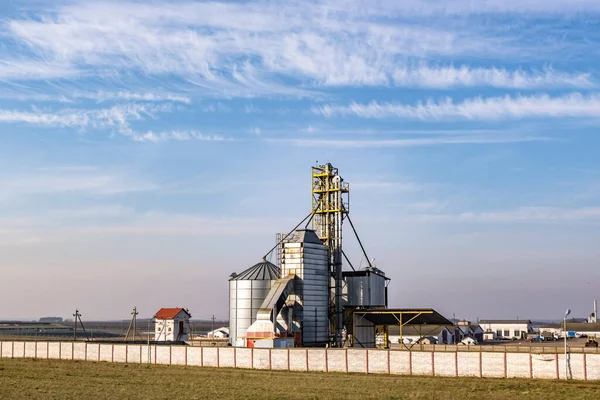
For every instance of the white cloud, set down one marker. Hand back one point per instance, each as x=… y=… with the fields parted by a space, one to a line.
x=523 y=214
x=155 y=137
x=490 y=108
x=102 y=96
x=116 y=116
x=216 y=107
x=251 y=109
x=450 y=76
x=28 y=70
x=70 y=180
x=414 y=8
x=260 y=49
x=256 y=131
x=387 y=143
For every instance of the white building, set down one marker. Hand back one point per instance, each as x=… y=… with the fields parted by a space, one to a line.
x=172 y=325
x=506 y=328
x=219 y=333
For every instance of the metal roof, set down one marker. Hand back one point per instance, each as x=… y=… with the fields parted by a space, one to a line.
x=305 y=236
x=404 y=316
x=261 y=271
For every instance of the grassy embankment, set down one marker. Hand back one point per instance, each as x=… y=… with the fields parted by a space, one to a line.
x=50 y=379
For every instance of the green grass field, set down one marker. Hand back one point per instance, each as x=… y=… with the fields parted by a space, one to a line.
x=49 y=379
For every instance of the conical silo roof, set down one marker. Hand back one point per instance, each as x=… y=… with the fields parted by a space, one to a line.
x=263 y=270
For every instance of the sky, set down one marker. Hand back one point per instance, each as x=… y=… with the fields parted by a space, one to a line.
x=148 y=149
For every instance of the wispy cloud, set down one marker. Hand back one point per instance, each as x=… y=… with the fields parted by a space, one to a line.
x=155 y=137
x=286 y=48
x=252 y=109
x=29 y=70
x=70 y=180
x=487 y=108
x=466 y=7
x=523 y=214
x=383 y=143
x=102 y=96
x=450 y=76
x=117 y=116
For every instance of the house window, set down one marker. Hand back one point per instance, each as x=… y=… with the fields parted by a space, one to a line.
x=498 y=333
x=517 y=333
x=169 y=329
x=506 y=333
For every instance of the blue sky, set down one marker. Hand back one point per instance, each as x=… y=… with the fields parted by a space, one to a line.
x=149 y=149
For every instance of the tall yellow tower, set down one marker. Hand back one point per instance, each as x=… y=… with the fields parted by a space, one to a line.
x=330 y=206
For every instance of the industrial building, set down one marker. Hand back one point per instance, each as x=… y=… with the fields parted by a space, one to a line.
x=305 y=298
x=506 y=328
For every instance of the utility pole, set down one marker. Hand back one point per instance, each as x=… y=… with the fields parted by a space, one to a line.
x=134 y=313
x=76 y=315
x=565 y=338
x=133 y=322
x=213 y=326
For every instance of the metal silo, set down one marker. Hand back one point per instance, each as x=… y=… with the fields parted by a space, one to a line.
x=366 y=288
x=247 y=292
x=306 y=257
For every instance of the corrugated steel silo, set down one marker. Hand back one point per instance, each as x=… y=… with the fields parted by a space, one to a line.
x=305 y=256
x=247 y=292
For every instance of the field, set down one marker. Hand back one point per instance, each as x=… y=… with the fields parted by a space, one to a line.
x=48 y=379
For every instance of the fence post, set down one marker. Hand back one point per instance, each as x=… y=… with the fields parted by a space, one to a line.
x=269 y=358
x=433 y=363
x=556 y=362
x=480 y=364
x=306 y=360
x=410 y=362
x=367 y=359
x=326 y=361
x=59 y=349
x=72 y=351
x=388 y=362
x=584 y=365
x=140 y=353
x=505 y=368
x=186 y=351
x=346 y=355
x=35 y=351
x=202 y=356
x=235 y=357
x=99 y=351
x=170 y=353
x=288 y=358
x=126 y=353
x=456 y=363
x=531 y=366
x=219 y=363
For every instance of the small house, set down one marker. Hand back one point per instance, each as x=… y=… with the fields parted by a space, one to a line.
x=172 y=325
